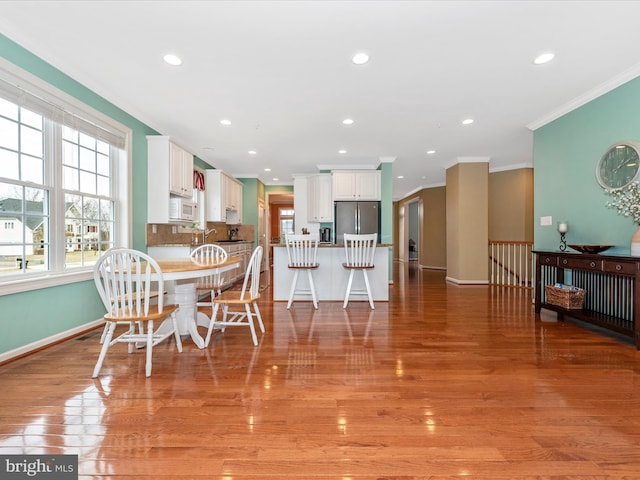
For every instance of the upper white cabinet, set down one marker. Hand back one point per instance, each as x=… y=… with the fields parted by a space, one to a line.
x=357 y=185
x=224 y=197
x=319 y=198
x=181 y=171
x=169 y=173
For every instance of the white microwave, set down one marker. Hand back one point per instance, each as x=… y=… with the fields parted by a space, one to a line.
x=182 y=210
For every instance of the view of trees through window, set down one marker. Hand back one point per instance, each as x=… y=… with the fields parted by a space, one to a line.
x=56 y=200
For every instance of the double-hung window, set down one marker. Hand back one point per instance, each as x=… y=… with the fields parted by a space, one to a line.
x=63 y=184
x=286 y=220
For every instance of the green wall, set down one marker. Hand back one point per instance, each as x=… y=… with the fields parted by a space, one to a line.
x=32 y=316
x=386 y=205
x=250 y=194
x=566 y=152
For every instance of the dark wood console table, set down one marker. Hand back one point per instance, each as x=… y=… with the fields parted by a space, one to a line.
x=611 y=300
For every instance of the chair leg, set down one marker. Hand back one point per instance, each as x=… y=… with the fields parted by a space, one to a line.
x=111 y=326
x=366 y=282
x=225 y=314
x=346 y=297
x=256 y=310
x=247 y=307
x=313 y=289
x=149 y=346
x=212 y=322
x=104 y=333
x=293 y=288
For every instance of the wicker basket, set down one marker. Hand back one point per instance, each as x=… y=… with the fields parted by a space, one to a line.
x=571 y=299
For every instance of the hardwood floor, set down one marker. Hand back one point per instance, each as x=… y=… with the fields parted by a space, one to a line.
x=440 y=382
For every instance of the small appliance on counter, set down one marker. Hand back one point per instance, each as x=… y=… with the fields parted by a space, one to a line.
x=325 y=235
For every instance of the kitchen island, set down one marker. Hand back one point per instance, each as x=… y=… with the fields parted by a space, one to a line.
x=330 y=277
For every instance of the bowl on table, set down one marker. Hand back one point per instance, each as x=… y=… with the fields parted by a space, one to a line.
x=591 y=248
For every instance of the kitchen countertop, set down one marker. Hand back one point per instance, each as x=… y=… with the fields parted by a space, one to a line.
x=231 y=241
x=226 y=242
x=331 y=245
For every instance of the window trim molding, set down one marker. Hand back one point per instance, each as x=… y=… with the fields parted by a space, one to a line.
x=25 y=80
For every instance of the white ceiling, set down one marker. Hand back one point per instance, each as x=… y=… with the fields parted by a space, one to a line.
x=282 y=73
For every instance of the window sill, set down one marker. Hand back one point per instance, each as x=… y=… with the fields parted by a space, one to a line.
x=45 y=281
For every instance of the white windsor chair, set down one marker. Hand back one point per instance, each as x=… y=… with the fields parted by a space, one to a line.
x=248 y=297
x=123 y=278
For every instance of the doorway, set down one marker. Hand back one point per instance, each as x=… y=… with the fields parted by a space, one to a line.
x=275 y=202
x=410 y=231
x=414 y=231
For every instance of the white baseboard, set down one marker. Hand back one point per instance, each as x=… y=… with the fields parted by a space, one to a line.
x=17 y=352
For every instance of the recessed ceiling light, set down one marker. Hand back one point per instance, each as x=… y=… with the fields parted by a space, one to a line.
x=172 y=59
x=430 y=152
x=209 y=148
x=467 y=121
x=267 y=169
x=275 y=179
x=544 y=58
x=400 y=176
x=360 y=58
x=348 y=121
x=342 y=151
x=225 y=122
x=252 y=152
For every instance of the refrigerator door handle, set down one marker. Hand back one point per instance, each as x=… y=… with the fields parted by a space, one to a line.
x=356 y=212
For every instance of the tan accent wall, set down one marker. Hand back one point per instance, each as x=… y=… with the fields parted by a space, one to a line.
x=511 y=205
x=467 y=216
x=510 y=214
x=433 y=242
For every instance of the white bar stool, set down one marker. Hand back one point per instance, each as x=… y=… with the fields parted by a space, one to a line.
x=359 y=252
x=302 y=252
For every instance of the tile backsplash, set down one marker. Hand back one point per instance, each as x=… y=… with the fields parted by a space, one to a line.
x=159 y=234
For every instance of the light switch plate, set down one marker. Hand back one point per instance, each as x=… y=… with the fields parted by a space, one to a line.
x=546 y=221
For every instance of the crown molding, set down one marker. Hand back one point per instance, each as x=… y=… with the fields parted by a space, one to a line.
x=342 y=166
x=458 y=160
x=585 y=98
x=515 y=166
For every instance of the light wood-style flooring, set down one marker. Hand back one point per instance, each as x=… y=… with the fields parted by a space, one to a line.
x=440 y=382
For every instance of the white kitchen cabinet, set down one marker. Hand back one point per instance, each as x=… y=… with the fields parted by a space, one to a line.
x=319 y=198
x=181 y=171
x=234 y=194
x=237 y=249
x=223 y=197
x=357 y=185
x=169 y=173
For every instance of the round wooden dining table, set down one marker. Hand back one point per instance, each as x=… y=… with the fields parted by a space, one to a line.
x=185 y=273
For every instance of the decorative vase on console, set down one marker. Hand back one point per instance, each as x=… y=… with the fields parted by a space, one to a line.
x=627 y=202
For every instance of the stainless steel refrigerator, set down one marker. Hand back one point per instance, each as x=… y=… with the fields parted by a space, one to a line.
x=356 y=217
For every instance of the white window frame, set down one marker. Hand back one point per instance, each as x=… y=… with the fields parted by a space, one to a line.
x=121 y=178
